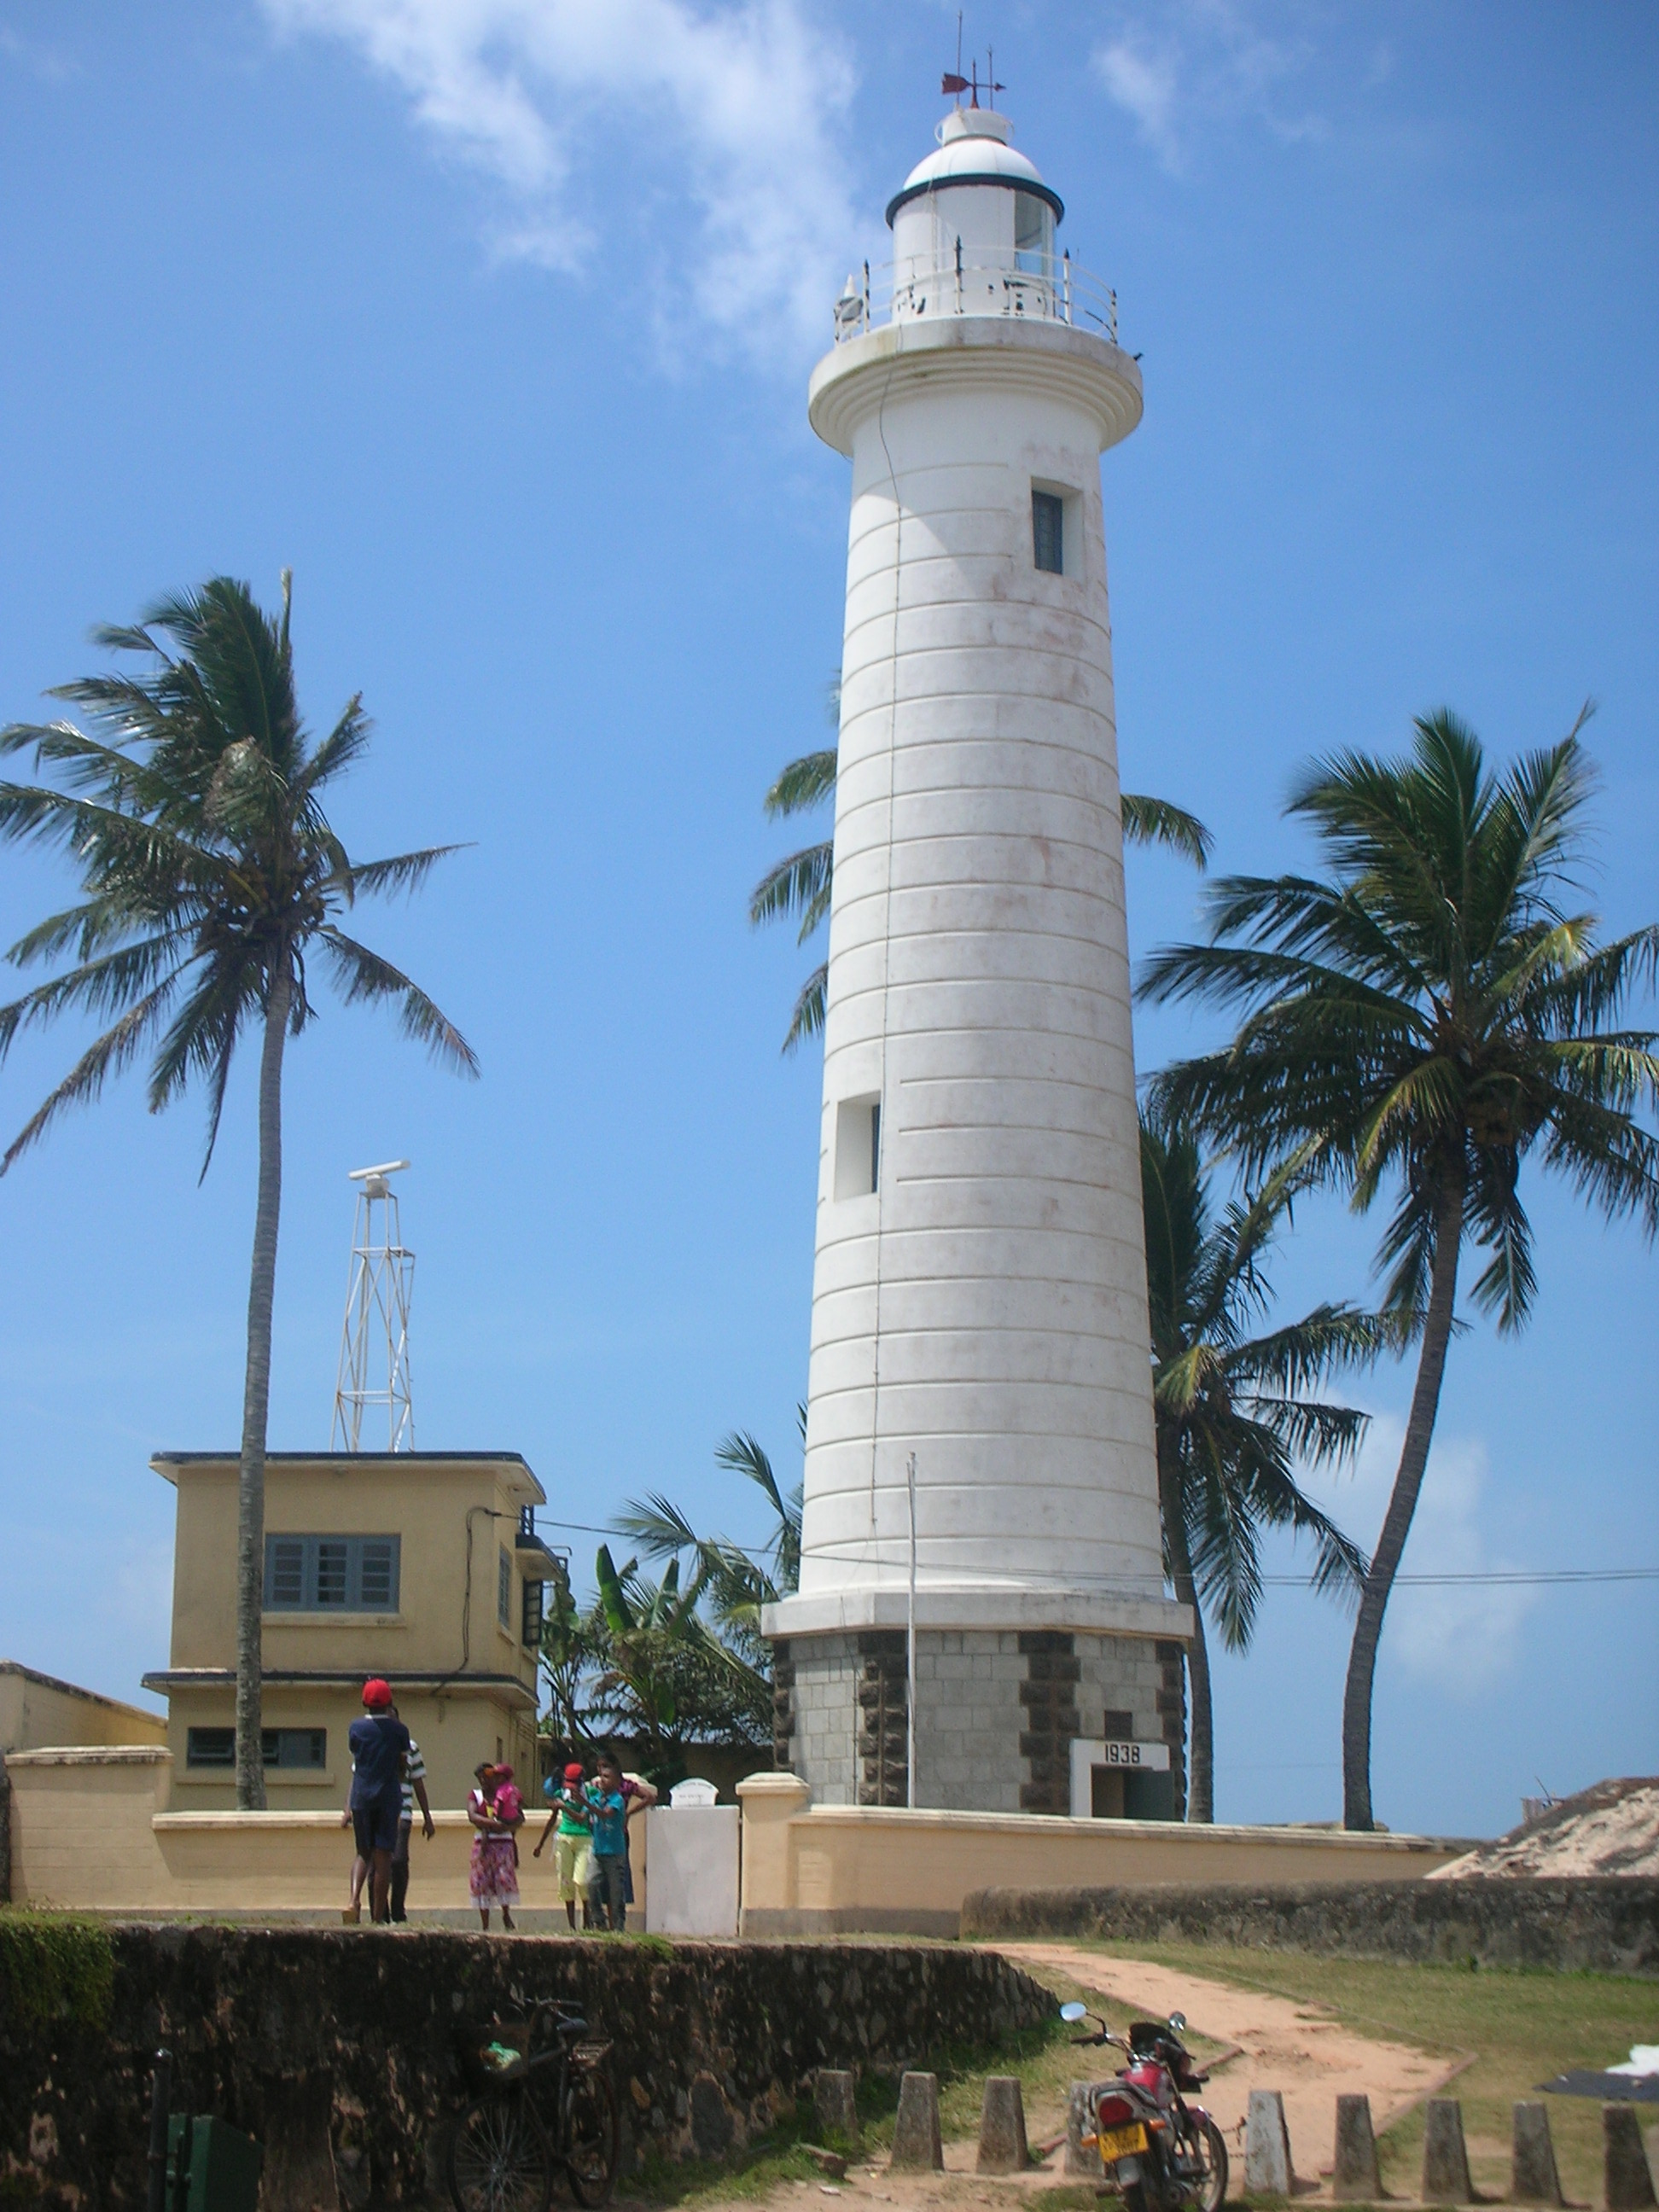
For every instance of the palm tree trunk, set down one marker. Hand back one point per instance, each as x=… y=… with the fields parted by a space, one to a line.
x=256 y=1403
x=1402 y=1503
x=1200 y=1736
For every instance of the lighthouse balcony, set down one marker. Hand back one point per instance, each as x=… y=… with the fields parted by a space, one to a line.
x=1032 y=287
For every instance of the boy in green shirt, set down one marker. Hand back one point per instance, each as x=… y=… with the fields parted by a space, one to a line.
x=573 y=1820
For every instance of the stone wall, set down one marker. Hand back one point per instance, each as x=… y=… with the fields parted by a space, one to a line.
x=340 y=2051
x=1609 y=1925
x=997 y=1711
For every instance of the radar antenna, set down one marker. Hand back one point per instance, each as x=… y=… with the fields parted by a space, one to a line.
x=375 y=1340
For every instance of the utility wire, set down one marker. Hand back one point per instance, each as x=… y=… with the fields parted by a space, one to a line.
x=1499 y=1577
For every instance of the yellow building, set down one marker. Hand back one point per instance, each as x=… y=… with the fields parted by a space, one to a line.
x=424 y=1567
x=38 y=1708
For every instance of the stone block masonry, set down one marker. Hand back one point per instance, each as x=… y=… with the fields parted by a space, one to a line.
x=996 y=1713
x=341 y=2050
x=1606 y=1924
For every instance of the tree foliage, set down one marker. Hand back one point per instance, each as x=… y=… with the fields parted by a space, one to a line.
x=1234 y=1410
x=212 y=886
x=1423 y=1018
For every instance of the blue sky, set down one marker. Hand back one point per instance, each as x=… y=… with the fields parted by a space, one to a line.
x=492 y=318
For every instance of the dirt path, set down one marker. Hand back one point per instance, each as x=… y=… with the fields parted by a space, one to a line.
x=1300 y=2050
x=1272 y=2042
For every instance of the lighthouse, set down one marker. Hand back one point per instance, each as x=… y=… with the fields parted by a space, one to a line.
x=980 y=1620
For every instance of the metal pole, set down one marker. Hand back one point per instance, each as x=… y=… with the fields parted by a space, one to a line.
x=161 y=2100
x=1068 y=284
x=910 y=1652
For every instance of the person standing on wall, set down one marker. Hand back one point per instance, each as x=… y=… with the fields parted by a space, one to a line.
x=571 y=1847
x=414 y=1790
x=609 y=1810
x=494 y=1879
x=379 y=1744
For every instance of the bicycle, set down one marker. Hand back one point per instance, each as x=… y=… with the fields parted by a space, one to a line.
x=504 y=2154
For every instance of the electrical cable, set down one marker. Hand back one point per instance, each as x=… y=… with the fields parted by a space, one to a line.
x=1497 y=1577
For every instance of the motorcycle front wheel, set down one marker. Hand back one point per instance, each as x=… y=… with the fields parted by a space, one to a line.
x=1211 y=2188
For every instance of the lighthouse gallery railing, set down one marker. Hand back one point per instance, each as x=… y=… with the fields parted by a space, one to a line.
x=1060 y=292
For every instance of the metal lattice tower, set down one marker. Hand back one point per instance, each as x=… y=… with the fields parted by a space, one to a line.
x=375 y=1340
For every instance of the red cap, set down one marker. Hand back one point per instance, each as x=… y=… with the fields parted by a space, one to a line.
x=574 y=1771
x=376 y=1693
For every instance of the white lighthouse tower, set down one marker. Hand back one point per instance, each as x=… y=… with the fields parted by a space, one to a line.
x=981 y=1619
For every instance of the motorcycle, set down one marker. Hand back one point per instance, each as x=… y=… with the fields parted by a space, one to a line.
x=1157 y=2152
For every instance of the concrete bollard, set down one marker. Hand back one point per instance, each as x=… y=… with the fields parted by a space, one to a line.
x=1627 y=2182
x=1267 y=2168
x=1445 y=2156
x=1080 y=2158
x=1532 y=2176
x=1354 y=2177
x=915 y=2137
x=834 y=2099
x=1002 y=2127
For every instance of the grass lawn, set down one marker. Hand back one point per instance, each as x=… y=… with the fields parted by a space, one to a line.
x=1519 y=2028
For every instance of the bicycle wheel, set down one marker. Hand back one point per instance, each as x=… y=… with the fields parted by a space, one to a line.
x=500 y=2159
x=592 y=2135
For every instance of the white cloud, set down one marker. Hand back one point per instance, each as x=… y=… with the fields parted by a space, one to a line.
x=729 y=113
x=48 y=63
x=1143 y=80
x=1185 y=66
x=1465 y=1636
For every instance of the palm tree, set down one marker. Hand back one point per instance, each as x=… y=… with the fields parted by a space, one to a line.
x=1233 y=1412
x=1429 y=1014
x=662 y=1674
x=799 y=884
x=210 y=880
x=736 y=1583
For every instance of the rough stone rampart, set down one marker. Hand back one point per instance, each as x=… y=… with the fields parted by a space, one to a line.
x=1609 y=1925
x=341 y=2050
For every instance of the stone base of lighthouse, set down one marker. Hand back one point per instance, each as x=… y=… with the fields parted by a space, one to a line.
x=998 y=1712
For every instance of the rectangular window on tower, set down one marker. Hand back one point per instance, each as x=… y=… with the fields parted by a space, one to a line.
x=858 y=1148
x=504 y=1588
x=1048 y=532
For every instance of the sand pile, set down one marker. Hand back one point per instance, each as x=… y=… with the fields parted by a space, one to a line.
x=1610 y=1829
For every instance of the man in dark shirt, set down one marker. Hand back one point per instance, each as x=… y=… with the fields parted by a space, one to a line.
x=379 y=1745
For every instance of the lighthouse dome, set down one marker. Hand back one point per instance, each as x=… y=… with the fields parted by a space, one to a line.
x=974 y=149
x=973 y=226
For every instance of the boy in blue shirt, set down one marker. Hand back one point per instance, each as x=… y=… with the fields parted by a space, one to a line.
x=607 y=1811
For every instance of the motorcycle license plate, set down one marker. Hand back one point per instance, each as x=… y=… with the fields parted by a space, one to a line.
x=1120 y=2142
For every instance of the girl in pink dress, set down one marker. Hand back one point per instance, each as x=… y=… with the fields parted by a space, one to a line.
x=495 y=1875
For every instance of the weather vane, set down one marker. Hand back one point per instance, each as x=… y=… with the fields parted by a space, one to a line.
x=953 y=80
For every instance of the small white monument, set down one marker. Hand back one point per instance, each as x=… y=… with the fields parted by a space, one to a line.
x=981 y=1495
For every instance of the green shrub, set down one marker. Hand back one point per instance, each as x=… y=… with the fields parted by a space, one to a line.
x=53 y=1966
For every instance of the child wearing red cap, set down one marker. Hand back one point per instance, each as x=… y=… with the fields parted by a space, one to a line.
x=573 y=1820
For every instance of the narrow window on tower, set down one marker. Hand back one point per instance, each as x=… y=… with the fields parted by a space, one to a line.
x=1048 y=532
x=858 y=1148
